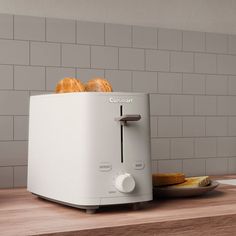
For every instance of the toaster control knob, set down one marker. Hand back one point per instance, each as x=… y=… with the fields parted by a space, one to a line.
x=125 y=183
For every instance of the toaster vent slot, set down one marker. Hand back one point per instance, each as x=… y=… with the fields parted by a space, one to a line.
x=121 y=137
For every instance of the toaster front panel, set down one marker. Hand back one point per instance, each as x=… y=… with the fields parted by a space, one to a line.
x=120 y=147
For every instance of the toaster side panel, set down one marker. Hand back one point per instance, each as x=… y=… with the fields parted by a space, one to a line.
x=58 y=165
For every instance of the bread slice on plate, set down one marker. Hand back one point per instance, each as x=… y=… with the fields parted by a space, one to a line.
x=191 y=182
x=166 y=179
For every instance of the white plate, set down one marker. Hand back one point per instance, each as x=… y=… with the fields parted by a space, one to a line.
x=183 y=192
x=227 y=181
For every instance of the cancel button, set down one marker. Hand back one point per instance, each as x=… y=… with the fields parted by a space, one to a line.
x=139 y=165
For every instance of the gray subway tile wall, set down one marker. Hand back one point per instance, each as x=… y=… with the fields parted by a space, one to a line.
x=120 y=80
x=14 y=52
x=144 y=37
x=29 y=78
x=205 y=63
x=104 y=57
x=75 y=55
x=157 y=60
x=6 y=26
x=170 y=39
x=193 y=41
x=58 y=30
x=45 y=54
x=6 y=127
x=29 y=28
x=118 y=35
x=6 y=81
x=194 y=83
x=91 y=33
x=190 y=76
x=131 y=59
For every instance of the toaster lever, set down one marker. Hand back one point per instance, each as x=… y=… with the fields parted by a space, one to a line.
x=123 y=119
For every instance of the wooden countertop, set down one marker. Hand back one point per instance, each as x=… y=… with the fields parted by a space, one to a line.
x=22 y=213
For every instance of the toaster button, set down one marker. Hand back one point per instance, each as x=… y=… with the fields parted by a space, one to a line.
x=105 y=166
x=139 y=165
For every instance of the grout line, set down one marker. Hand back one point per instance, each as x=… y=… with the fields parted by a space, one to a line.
x=99 y=68
x=13 y=128
x=227 y=43
x=228 y=92
x=127 y=47
x=227 y=125
x=217 y=141
x=216 y=98
x=15 y=140
x=76 y=32
x=13 y=74
x=205 y=166
x=157 y=88
x=132 y=31
x=205 y=48
x=145 y=59
x=90 y=57
x=157 y=124
x=45 y=79
x=13 y=166
x=13 y=176
x=205 y=84
x=61 y=54
x=13 y=28
x=197 y=94
x=194 y=68
x=105 y=74
x=169 y=62
x=157 y=32
x=187 y=158
x=45 y=22
x=118 y=54
x=132 y=81
x=180 y=137
x=228 y=166
x=104 y=29
x=217 y=64
x=76 y=73
x=29 y=53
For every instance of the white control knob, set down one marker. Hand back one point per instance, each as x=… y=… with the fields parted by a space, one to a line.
x=125 y=183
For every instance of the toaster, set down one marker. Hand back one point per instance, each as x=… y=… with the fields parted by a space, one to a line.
x=90 y=149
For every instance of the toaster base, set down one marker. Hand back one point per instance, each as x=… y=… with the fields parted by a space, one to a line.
x=92 y=208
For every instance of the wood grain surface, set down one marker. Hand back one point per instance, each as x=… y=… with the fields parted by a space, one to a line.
x=22 y=213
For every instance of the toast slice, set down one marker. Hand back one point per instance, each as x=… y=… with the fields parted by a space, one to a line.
x=191 y=182
x=166 y=179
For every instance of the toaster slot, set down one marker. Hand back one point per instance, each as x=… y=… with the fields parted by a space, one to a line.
x=121 y=137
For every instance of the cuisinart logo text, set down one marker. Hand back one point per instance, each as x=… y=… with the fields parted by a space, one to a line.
x=120 y=100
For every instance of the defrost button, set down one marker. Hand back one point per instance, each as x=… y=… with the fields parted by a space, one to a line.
x=105 y=166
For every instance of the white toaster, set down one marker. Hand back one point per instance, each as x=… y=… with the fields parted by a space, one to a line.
x=90 y=149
